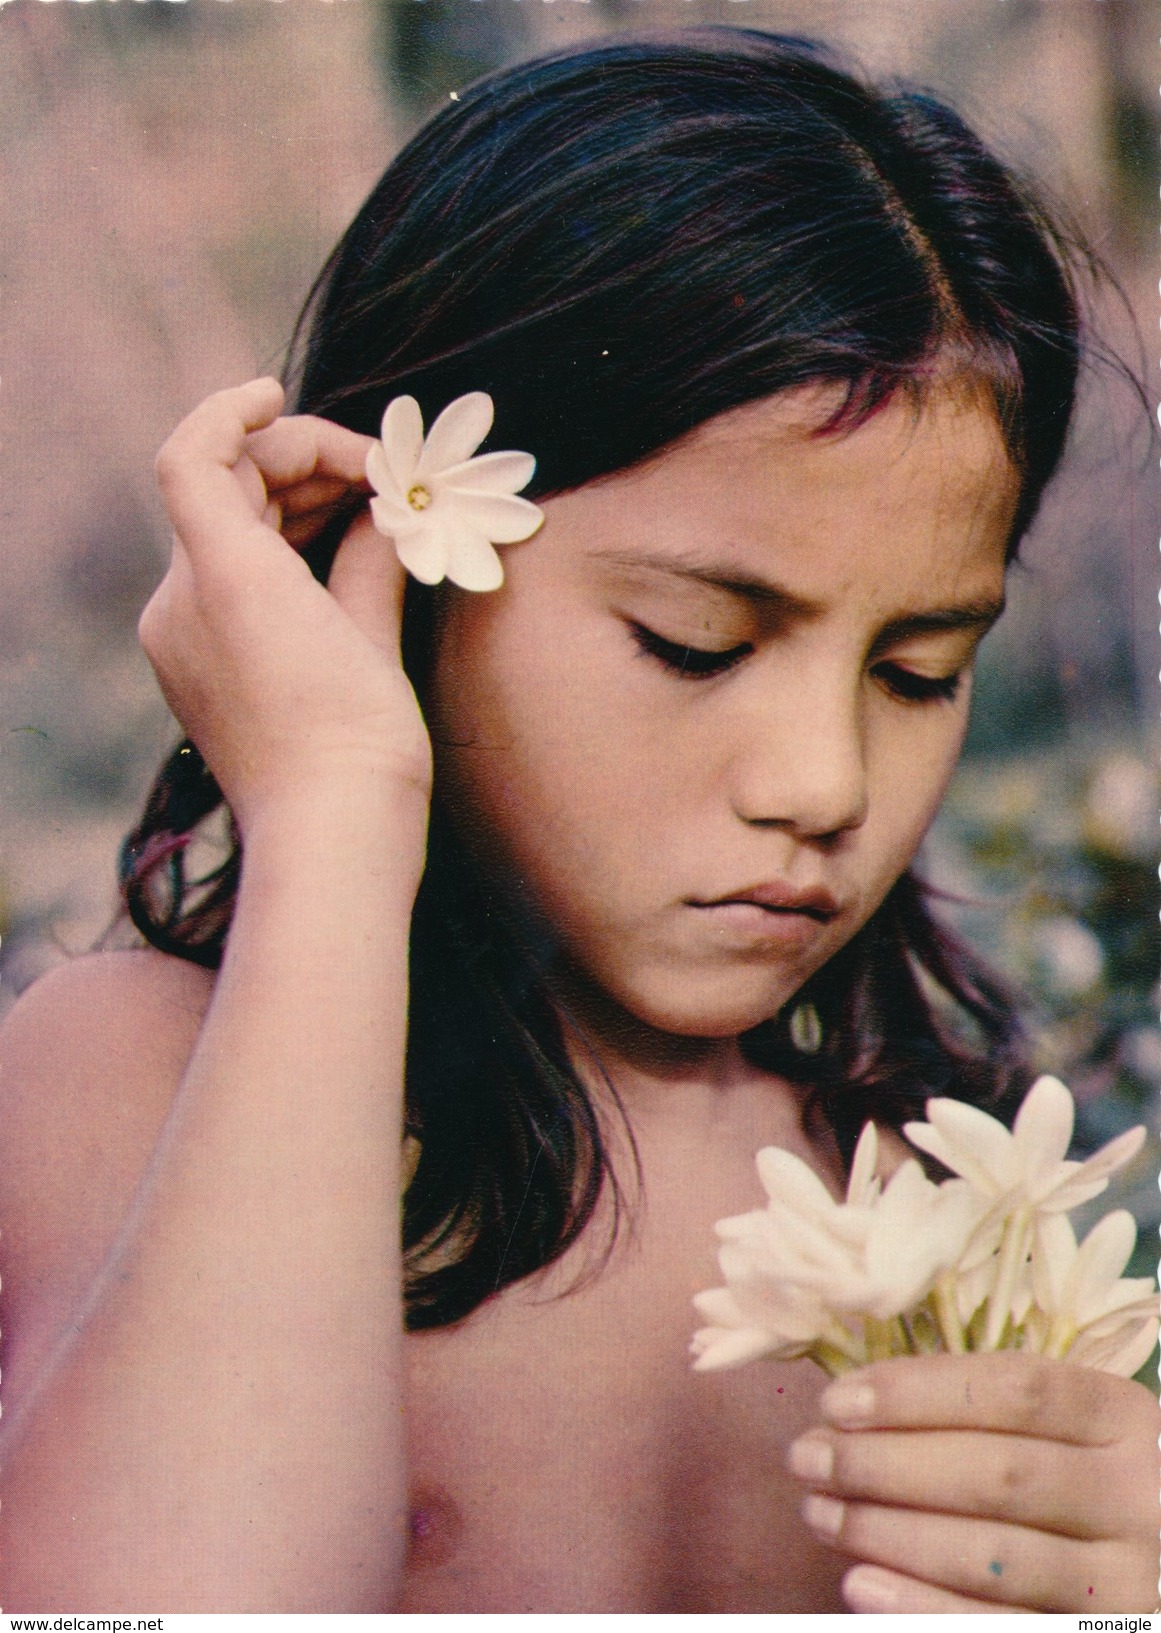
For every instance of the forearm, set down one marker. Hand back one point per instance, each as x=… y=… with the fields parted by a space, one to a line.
x=223 y=1429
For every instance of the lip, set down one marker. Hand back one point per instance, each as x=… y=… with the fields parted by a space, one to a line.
x=778 y=898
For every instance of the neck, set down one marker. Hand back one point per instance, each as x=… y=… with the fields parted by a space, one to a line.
x=613 y=1050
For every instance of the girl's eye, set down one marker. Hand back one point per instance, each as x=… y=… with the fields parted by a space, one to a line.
x=912 y=688
x=688 y=662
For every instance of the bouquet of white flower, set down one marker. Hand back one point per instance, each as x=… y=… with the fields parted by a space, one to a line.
x=984 y=1261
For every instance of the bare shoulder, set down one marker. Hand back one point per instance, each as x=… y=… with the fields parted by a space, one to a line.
x=90 y=1057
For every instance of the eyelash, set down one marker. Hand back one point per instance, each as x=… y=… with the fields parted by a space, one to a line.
x=698 y=663
x=909 y=687
x=688 y=662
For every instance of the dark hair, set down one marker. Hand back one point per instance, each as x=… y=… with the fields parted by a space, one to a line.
x=618 y=244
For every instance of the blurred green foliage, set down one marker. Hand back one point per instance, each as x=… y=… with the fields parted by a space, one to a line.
x=1051 y=866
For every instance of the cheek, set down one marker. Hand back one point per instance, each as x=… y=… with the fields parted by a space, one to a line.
x=558 y=790
x=533 y=746
x=912 y=771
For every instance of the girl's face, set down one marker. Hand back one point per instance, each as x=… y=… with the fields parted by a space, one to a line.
x=707 y=720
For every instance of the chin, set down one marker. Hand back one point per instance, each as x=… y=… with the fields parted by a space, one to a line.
x=701 y=1010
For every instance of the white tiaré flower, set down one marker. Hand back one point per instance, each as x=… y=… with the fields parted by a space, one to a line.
x=806 y=1273
x=1085 y=1309
x=1022 y=1176
x=444 y=509
x=983 y=1261
x=753 y=1316
x=874 y=1254
x=1025 y=1167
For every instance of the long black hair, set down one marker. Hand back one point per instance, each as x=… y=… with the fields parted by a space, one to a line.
x=618 y=244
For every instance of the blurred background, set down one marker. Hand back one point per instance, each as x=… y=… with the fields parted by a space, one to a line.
x=175 y=171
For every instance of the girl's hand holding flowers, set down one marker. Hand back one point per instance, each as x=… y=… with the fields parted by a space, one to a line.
x=987 y=1483
x=972 y=1481
x=284 y=685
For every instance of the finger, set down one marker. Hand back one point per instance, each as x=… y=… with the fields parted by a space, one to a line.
x=1009 y=1564
x=166 y=609
x=302 y=523
x=207 y=500
x=300 y=447
x=316 y=495
x=1074 y=1490
x=249 y=479
x=1010 y=1392
x=367 y=580
x=870 y=1590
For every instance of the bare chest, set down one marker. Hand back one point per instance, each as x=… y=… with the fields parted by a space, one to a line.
x=563 y=1458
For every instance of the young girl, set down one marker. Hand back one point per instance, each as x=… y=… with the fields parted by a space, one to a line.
x=516 y=936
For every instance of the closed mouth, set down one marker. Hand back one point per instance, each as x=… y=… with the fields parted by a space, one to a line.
x=779 y=899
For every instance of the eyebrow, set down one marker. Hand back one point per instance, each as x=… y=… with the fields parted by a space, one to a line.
x=969 y=615
x=747 y=586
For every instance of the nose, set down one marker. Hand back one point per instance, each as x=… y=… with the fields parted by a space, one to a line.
x=800 y=760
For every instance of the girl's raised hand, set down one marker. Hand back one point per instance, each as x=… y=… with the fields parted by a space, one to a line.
x=987 y=1483
x=284 y=685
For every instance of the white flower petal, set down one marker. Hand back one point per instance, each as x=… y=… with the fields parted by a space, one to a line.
x=965 y=1140
x=402 y=436
x=719 y=1307
x=1060 y=1189
x=736 y=1260
x=500 y=517
x=456 y=434
x=1123 y=1354
x=1026 y=1167
x=1079 y=1182
x=471 y=561
x=503 y=472
x=984 y=1240
x=742 y=1225
x=962 y=1212
x=1112 y=1156
x=794 y=1250
x=903 y=1209
x=1043 y=1126
x=1131 y=1299
x=424 y=553
x=1021 y=1300
x=391 y=515
x=1053 y=1258
x=787 y=1178
x=1102 y=1256
x=916 y=1231
x=861 y=1185
x=716 y=1348
x=379 y=472
x=786 y=1315
x=972 y=1287
x=1036 y=1331
x=807 y=1249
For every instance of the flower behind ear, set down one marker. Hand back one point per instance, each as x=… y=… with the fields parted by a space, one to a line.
x=443 y=509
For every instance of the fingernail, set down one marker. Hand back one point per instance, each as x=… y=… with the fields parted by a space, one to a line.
x=812 y=1458
x=823 y=1514
x=870 y=1591
x=848 y=1402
